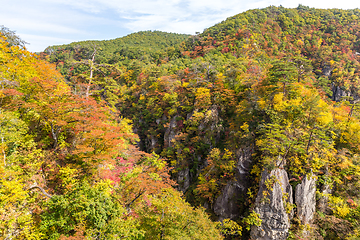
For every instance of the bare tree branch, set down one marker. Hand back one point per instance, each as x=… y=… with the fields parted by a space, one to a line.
x=41 y=189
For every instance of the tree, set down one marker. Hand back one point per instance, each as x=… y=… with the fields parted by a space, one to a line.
x=167 y=216
x=11 y=37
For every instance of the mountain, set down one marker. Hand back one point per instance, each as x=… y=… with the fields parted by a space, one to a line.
x=256 y=120
x=132 y=46
x=70 y=168
x=329 y=39
x=251 y=118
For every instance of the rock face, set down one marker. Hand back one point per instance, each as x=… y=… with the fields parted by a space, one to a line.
x=183 y=179
x=211 y=127
x=244 y=156
x=339 y=93
x=170 y=132
x=226 y=205
x=327 y=70
x=323 y=201
x=305 y=199
x=152 y=142
x=275 y=191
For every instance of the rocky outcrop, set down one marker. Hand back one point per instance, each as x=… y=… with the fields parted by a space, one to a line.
x=227 y=204
x=324 y=198
x=339 y=93
x=274 y=194
x=327 y=70
x=170 y=132
x=152 y=142
x=305 y=199
x=183 y=179
x=211 y=126
x=244 y=156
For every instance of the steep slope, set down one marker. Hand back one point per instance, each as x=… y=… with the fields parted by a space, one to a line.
x=253 y=114
x=329 y=39
x=252 y=95
x=69 y=167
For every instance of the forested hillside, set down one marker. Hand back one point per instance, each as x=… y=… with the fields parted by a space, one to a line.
x=145 y=46
x=256 y=120
x=69 y=168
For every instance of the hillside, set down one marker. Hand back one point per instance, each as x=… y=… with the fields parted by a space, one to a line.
x=329 y=39
x=262 y=92
x=69 y=166
x=256 y=120
x=139 y=45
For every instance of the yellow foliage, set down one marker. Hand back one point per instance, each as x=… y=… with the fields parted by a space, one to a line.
x=262 y=104
x=279 y=104
x=11 y=192
x=185 y=84
x=256 y=170
x=299 y=42
x=245 y=127
x=67 y=175
x=339 y=206
x=202 y=97
x=106 y=186
x=229 y=227
x=345 y=163
x=197 y=117
x=220 y=76
x=295 y=102
x=325 y=116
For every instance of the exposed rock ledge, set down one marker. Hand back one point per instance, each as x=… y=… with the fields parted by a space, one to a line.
x=274 y=193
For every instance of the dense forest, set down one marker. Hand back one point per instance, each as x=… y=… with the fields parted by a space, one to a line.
x=248 y=130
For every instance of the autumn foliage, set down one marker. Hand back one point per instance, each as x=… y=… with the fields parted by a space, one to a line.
x=103 y=150
x=69 y=168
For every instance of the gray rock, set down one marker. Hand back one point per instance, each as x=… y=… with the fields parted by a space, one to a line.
x=244 y=156
x=327 y=70
x=226 y=205
x=170 y=132
x=324 y=199
x=211 y=124
x=183 y=179
x=305 y=199
x=273 y=194
x=339 y=93
x=152 y=143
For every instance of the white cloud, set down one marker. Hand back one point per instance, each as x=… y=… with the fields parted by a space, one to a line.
x=35 y=25
x=104 y=19
x=39 y=42
x=189 y=16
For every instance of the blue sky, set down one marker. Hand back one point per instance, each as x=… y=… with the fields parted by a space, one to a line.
x=51 y=22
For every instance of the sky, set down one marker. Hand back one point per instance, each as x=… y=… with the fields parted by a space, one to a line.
x=44 y=23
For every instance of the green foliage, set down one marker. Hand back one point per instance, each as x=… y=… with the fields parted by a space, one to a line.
x=68 y=168
x=92 y=207
x=168 y=217
x=253 y=219
x=230 y=228
x=266 y=85
x=215 y=175
x=141 y=45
